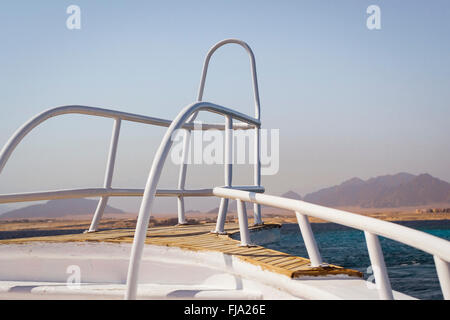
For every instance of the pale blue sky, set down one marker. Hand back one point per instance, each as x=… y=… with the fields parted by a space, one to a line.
x=348 y=101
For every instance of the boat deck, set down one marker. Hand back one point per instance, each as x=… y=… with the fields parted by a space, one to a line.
x=199 y=238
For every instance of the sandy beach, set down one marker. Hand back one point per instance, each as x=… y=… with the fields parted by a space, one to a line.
x=12 y=228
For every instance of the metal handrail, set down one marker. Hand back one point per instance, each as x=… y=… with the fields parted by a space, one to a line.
x=118 y=116
x=111 y=192
x=439 y=248
x=17 y=137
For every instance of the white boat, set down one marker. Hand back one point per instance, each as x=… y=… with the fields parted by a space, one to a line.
x=53 y=269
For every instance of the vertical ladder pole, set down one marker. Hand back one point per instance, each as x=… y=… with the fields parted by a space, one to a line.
x=257 y=146
x=186 y=143
x=257 y=166
x=228 y=169
x=183 y=169
x=257 y=176
x=182 y=177
x=378 y=266
x=308 y=238
x=108 y=175
x=443 y=271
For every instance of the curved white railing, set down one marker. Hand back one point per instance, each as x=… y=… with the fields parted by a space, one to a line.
x=439 y=248
x=155 y=173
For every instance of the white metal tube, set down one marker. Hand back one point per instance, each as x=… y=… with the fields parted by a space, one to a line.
x=257 y=175
x=443 y=271
x=228 y=171
x=228 y=150
x=243 y=223
x=252 y=66
x=112 y=153
x=182 y=176
x=181 y=212
x=221 y=216
x=308 y=238
x=70 y=194
x=108 y=175
x=98 y=214
x=111 y=192
x=378 y=267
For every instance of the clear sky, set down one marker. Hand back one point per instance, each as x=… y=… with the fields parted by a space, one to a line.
x=348 y=101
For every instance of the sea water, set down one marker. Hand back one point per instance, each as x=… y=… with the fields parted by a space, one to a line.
x=411 y=271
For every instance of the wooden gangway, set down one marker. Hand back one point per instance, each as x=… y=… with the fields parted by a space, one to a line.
x=199 y=238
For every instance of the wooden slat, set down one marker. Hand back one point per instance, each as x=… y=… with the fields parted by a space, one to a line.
x=199 y=238
x=273 y=257
x=288 y=263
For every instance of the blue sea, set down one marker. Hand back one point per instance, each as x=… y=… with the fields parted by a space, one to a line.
x=411 y=271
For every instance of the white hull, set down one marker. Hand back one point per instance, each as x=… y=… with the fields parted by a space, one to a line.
x=40 y=271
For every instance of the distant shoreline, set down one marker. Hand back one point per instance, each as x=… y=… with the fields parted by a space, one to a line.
x=407 y=221
x=25 y=228
x=315 y=220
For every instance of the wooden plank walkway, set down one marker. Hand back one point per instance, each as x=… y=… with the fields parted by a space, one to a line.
x=199 y=238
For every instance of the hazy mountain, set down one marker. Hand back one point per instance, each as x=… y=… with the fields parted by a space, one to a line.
x=402 y=189
x=292 y=195
x=4 y=209
x=58 y=208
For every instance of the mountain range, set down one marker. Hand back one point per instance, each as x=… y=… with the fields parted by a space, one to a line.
x=58 y=208
x=388 y=191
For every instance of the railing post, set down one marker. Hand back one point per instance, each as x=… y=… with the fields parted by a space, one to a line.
x=182 y=176
x=257 y=175
x=378 y=266
x=308 y=238
x=443 y=271
x=108 y=175
x=221 y=217
x=243 y=223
